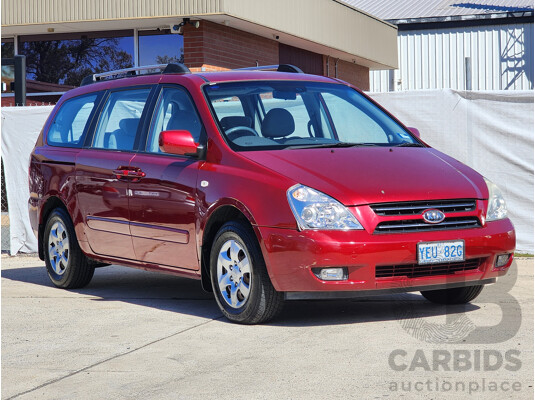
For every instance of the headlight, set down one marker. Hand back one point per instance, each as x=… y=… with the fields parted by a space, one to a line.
x=497 y=209
x=315 y=210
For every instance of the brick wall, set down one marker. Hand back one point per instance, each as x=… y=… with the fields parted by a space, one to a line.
x=214 y=47
x=353 y=73
x=218 y=47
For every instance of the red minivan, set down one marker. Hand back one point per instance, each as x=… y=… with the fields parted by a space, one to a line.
x=265 y=185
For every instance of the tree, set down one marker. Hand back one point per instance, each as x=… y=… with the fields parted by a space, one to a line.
x=69 y=61
x=170 y=60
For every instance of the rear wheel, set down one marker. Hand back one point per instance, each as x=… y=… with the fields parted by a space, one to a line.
x=459 y=295
x=67 y=266
x=240 y=281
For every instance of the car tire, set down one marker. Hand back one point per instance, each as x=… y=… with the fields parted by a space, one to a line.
x=459 y=295
x=240 y=281
x=66 y=265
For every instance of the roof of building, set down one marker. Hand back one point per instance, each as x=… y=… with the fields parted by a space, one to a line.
x=352 y=35
x=409 y=9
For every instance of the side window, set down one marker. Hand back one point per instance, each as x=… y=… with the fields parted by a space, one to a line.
x=119 y=120
x=71 y=122
x=352 y=122
x=174 y=111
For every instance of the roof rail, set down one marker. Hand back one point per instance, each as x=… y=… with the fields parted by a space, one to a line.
x=279 y=68
x=134 y=71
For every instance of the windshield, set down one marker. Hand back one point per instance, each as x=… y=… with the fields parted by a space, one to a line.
x=260 y=115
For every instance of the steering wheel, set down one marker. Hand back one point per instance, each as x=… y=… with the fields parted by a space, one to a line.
x=241 y=128
x=240 y=131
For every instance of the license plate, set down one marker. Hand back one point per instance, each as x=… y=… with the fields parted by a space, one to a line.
x=440 y=252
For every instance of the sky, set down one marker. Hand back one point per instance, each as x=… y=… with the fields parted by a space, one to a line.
x=152 y=46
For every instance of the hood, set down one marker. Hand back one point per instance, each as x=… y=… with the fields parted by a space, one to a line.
x=365 y=175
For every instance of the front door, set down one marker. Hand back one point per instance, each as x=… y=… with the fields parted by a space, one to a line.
x=163 y=202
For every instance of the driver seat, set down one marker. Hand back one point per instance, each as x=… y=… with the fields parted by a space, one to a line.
x=234 y=121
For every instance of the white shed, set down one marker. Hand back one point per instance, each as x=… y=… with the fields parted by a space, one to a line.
x=469 y=45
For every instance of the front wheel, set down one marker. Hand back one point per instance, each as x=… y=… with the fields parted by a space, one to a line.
x=241 y=284
x=67 y=266
x=459 y=295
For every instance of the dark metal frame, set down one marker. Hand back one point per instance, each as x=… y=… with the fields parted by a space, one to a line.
x=19 y=62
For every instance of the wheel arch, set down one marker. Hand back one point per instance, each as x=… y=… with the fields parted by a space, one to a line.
x=51 y=204
x=216 y=219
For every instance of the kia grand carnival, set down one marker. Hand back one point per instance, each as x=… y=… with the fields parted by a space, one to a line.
x=265 y=185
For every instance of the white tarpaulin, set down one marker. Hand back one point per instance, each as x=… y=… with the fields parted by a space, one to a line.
x=492 y=132
x=20 y=129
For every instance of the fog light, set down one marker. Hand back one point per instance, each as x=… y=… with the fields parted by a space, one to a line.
x=502 y=260
x=331 y=274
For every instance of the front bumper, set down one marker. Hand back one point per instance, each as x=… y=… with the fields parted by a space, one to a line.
x=290 y=256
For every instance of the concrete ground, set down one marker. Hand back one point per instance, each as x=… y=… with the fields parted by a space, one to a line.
x=132 y=334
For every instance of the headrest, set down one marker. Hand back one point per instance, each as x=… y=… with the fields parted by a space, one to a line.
x=236 y=120
x=184 y=120
x=278 y=123
x=129 y=125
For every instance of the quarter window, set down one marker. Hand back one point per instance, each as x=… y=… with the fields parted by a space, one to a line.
x=71 y=122
x=119 y=120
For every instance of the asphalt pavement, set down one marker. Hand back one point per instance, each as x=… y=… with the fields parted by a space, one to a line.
x=133 y=334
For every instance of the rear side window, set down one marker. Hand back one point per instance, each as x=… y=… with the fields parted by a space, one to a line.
x=71 y=122
x=119 y=120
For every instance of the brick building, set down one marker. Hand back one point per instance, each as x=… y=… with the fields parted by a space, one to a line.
x=325 y=37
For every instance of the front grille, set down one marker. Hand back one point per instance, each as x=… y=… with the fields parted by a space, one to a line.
x=418 y=225
x=417 y=207
x=416 y=270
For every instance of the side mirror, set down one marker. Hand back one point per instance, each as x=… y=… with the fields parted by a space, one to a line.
x=414 y=131
x=179 y=142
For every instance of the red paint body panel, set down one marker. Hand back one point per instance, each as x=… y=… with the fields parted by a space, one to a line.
x=177 y=142
x=162 y=210
x=102 y=200
x=382 y=174
x=291 y=255
x=157 y=220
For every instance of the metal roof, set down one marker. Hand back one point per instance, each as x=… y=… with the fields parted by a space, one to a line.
x=395 y=9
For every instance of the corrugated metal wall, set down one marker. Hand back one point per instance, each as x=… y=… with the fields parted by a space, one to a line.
x=19 y=12
x=500 y=58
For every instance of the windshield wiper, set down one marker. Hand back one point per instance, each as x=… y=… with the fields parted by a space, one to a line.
x=409 y=145
x=329 y=145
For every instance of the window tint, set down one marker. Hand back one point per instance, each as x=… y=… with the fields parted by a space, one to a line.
x=119 y=120
x=71 y=122
x=174 y=111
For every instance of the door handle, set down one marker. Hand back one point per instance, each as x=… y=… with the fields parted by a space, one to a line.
x=129 y=173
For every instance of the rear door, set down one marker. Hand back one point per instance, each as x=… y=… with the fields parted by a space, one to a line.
x=103 y=172
x=163 y=201
x=52 y=169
